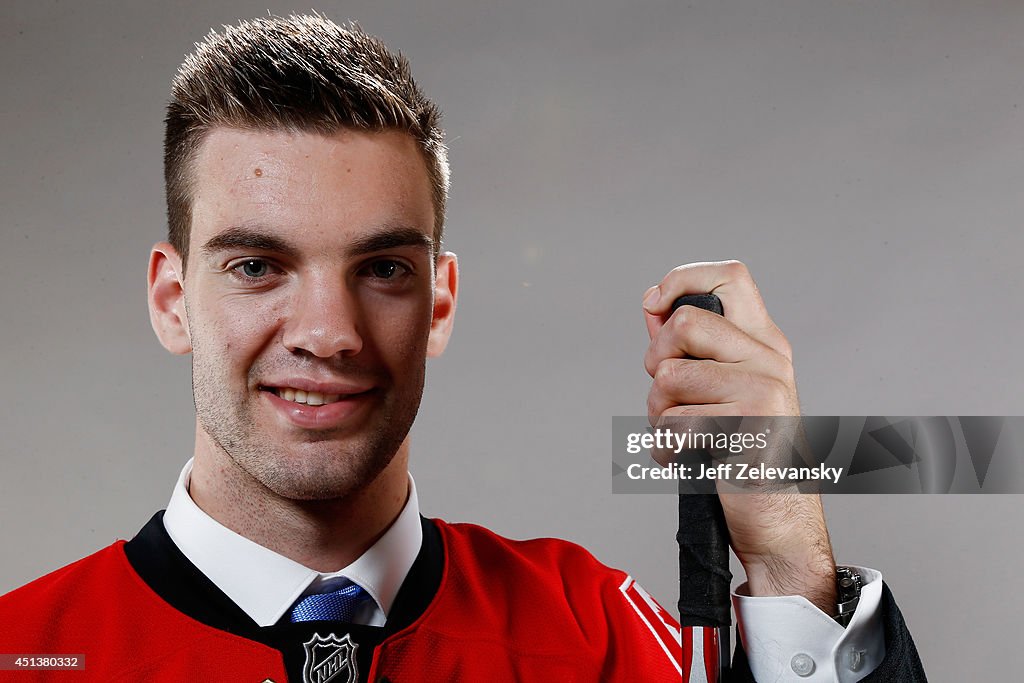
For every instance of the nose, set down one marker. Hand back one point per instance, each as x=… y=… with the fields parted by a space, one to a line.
x=324 y=320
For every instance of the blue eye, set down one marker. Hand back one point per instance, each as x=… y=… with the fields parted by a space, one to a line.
x=253 y=268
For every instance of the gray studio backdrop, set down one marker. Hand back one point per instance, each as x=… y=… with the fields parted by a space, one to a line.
x=864 y=158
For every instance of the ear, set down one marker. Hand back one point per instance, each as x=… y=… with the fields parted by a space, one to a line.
x=167 y=299
x=446 y=287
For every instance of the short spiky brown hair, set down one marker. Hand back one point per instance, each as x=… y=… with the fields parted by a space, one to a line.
x=300 y=73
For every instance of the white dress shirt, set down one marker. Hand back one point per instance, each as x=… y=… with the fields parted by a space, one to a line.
x=787 y=639
x=265 y=584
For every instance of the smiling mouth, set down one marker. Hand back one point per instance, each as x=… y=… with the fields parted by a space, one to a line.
x=309 y=398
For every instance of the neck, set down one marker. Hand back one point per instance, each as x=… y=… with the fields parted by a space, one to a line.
x=324 y=535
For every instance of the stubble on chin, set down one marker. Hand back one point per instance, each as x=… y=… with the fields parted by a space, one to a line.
x=315 y=466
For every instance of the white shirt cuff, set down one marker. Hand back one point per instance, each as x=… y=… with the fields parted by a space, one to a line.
x=789 y=640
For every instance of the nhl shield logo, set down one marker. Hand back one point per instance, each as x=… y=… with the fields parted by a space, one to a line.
x=330 y=659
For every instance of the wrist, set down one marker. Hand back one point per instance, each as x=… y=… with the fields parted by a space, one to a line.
x=812 y=577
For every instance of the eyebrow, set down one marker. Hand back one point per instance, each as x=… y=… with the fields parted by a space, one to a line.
x=388 y=237
x=248 y=238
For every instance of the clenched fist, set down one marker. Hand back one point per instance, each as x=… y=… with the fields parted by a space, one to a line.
x=741 y=364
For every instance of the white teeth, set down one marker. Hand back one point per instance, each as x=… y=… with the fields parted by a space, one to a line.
x=312 y=398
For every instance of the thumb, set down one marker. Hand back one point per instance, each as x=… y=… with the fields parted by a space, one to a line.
x=654 y=321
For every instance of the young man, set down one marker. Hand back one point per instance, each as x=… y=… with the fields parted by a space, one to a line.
x=306 y=185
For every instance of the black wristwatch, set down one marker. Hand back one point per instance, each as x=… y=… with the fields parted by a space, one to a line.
x=848 y=585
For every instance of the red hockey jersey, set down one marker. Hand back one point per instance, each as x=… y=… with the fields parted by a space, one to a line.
x=540 y=610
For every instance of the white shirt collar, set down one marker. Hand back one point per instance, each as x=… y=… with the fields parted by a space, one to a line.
x=265 y=584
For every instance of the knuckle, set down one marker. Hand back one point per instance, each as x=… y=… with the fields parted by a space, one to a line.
x=667 y=373
x=680 y=318
x=684 y=323
x=779 y=386
x=650 y=363
x=653 y=405
x=736 y=269
x=788 y=374
x=785 y=348
x=780 y=368
x=769 y=387
x=777 y=364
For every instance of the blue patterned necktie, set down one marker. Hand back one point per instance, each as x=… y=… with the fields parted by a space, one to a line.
x=337 y=605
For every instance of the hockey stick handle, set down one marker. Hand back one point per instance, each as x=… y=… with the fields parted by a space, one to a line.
x=704 y=576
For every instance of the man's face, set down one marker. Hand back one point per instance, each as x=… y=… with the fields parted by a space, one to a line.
x=310 y=301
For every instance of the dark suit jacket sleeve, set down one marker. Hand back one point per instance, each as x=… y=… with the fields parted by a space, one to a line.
x=901 y=663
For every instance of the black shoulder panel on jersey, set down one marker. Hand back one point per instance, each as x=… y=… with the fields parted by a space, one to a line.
x=158 y=562
x=170 y=574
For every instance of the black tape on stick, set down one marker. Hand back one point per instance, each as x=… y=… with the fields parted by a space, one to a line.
x=704 y=576
x=709 y=302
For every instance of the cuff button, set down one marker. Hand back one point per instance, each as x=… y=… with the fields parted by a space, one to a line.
x=855 y=659
x=802 y=664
